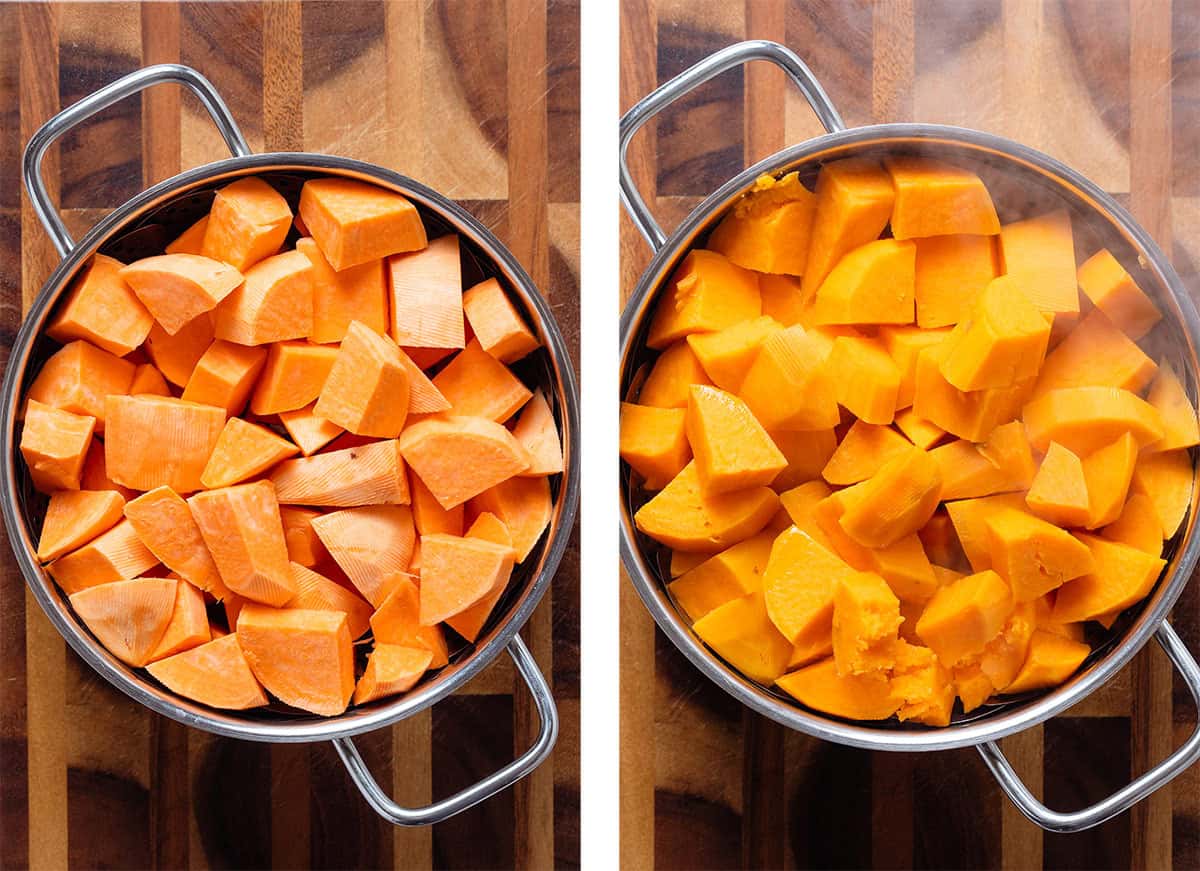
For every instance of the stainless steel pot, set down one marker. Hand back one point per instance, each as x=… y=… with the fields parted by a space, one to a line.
x=1022 y=173
x=141 y=227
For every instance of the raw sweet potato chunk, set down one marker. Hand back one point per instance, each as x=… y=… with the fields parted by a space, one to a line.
x=165 y=525
x=75 y=517
x=224 y=376
x=398 y=621
x=54 y=444
x=372 y=544
x=176 y=355
x=128 y=617
x=155 y=440
x=458 y=572
x=244 y=450
x=682 y=516
x=372 y=474
x=391 y=669
x=935 y=198
x=1113 y=291
x=537 y=432
x=707 y=293
x=244 y=533
x=293 y=376
x=303 y=545
x=523 y=505
x=427 y=297
x=115 y=555
x=315 y=592
x=732 y=450
x=188 y=626
x=191 y=240
x=215 y=674
x=102 y=309
x=79 y=377
x=428 y=514
x=309 y=431
x=357 y=293
x=304 y=657
x=767 y=230
x=496 y=323
x=95 y=473
x=476 y=384
x=354 y=222
x=273 y=304
x=248 y=222
x=367 y=389
x=148 y=380
x=460 y=457
x=177 y=288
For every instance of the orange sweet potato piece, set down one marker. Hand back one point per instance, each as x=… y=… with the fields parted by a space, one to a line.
x=741 y=633
x=1167 y=478
x=1120 y=576
x=732 y=450
x=1108 y=472
x=115 y=555
x=54 y=444
x=807 y=454
x=372 y=544
x=920 y=432
x=872 y=284
x=730 y=574
x=476 y=384
x=495 y=321
x=935 y=198
x=191 y=240
x=248 y=222
x=302 y=656
x=95 y=473
x=1059 y=491
x=397 y=621
x=862 y=452
x=964 y=616
x=726 y=355
x=671 y=377
x=854 y=696
x=951 y=272
x=177 y=288
x=781 y=299
x=894 y=502
x=429 y=516
x=273 y=304
x=303 y=545
x=244 y=450
x=1113 y=291
x=165 y=525
x=866 y=378
x=357 y=293
x=969 y=517
x=188 y=626
x=1085 y=419
x=244 y=533
x=706 y=293
x=923 y=683
x=684 y=517
x=367 y=389
x=1003 y=342
x=215 y=674
x=653 y=441
x=354 y=222
x=854 y=203
x=157 y=440
x=1050 y=661
x=1138 y=526
x=128 y=617
x=148 y=380
x=767 y=230
x=315 y=592
x=176 y=355
x=799 y=583
x=470 y=621
x=1180 y=426
x=78 y=377
x=1034 y=556
x=293 y=376
x=788 y=386
x=970 y=416
x=866 y=617
x=537 y=432
x=309 y=431
x=523 y=505
x=905 y=343
x=458 y=572
x=391 y=669
x=1096 y=353
x=371 y=474
x=75 y=517
x=102 y=309
x=1039 y=253
x=427 y=297
x=460 y=457
x=224 y=376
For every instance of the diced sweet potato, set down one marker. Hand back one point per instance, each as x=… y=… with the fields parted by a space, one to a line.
x=671 y=378
x=1034 y=556
x=148 y=380
x=971 y=416
x=1085 y=419
x=273 y=304
x=682 y=516
x=905 y=344
x=1167 y=478
x=726 y=355
x=537 y=432
x=176 y=355
x=309 y=431
x=872 y=284
x=732 y=450
x=303 y=545
x=951 y=272
x=178 y=288
x=807 y=453
x=293 y=376
x=224 y=376
x=476 y=384
x=935 y=198
x=782 y=299
x=964 y=616
x=429 y=516
x=248 y=222
x=357 y=293
x=156 y=440
x=706 y=293
x=1120 y=576
x=1108 y=472
x=391 y=669
x=372 y=544
x=1003 y=342
x=315 y=592
x=244 y=450
x=397 y=621
x=191 y=240
x=862 y=452
x=115 y=555
x=1059 y=491
x=128 y=617
x=730 y=574
x=188 y=626
x=354 y=222
x=788 y=386
x=523 y=505
x=95 y=473
x=215 y=674
x=165 y=525
x=923 y=683
x=102 y=309
x=969 y=517
x=866 y=615
x=460 y=457
x=367 y=389
x=244 y=533
x=1096 y=353
x=894 y=502
x=75 y=517
x=1051 y=660
x=79 y=377
x=799 y=584
x=868 y=380
x=427 y=296
x=741 y=633
x=1039 y=253
x=495 y=321
x=767 y=230
x=372 y=474
x=54 y=444
x=458 y=572
x=854 y=696
x=1138 y=526
x=1180 y=426
x=1113 y=291
x=653 y=441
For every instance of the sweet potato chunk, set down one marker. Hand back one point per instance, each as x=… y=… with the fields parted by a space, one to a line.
x=156 y=440
x=273 y=304
x=427 y=296
x=178 y=288
x=354 y=222
x=248 y=222
x=102 y=309
x=54 y=444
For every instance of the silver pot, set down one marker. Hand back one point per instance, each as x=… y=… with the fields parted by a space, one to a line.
x=1023 y=172
x=140 y=227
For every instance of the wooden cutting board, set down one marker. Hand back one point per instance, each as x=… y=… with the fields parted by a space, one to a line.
x=460 y=96
x=1112 y=88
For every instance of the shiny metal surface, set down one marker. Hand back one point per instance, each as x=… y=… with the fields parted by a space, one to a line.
x=1034 y=169
x=174 y=202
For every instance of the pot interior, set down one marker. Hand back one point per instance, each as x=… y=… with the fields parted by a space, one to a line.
x=146 y=232
x=1023 y=183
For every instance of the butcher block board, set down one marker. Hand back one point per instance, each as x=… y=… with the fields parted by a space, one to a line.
x=458 y=95
x=1111 y=88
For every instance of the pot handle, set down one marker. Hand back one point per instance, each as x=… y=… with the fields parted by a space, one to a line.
x=484 y=789
x=1126 y=797
x=114 y=92
x=664 y=95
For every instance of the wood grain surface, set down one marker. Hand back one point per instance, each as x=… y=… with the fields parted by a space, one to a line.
x=1111 y=87
x=459 y=95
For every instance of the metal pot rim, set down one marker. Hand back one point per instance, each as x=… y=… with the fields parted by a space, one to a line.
x=992 y=726
x=355 y=721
